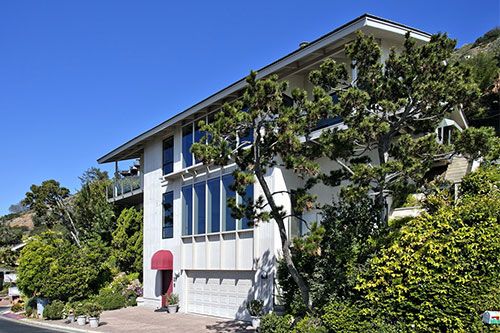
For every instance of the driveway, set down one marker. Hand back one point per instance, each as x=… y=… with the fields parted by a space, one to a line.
x=143 y=319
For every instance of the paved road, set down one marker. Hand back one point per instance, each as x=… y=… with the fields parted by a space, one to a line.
x=8 y=326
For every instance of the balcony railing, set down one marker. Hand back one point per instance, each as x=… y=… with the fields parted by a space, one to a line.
x=124 y=186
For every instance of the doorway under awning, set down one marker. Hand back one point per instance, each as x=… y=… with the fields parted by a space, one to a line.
x=162 y=260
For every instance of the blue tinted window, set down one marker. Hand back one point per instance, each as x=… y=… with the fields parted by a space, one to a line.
x=199 y=204
x=187 y=141
x=248 y=198
x=213 y=211
x=198 y=134
x=168 y=155
x=168 y=215
x=187 y=210
x=247 y=137
x=228 y=222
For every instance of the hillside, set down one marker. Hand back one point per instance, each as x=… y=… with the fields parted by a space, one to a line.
x=483 y=58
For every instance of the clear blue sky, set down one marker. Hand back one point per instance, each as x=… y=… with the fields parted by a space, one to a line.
x=79 y=78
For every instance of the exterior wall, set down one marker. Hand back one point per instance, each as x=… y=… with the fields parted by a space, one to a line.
x=250 y=251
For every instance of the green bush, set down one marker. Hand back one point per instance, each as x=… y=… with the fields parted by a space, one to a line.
x=17 y=307
x=272 y=323
x=93 y=309
x=29 y=311
x=173 y=299
x=80 y=309
x=350 y=230
x=52 y=267
x=482 y=181
x=310 y=325
x=54 y=310
x=110 y=299
x=127 y=241
x=441 y=271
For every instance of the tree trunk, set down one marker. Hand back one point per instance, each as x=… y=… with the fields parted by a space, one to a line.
x=285 y=242
x=380 y=199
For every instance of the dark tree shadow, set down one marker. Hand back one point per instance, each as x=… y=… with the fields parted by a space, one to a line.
x=230 y=326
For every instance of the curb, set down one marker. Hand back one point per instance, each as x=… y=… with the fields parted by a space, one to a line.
x=51 y=326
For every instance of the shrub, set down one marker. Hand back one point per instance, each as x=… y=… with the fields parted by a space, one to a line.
x=69 y=308
x=93 y=309
x=51 y=267
x=127 y=241
x=110 y=299
x=441 y=270
x=80 y=309
x=29 y=311
x=30 y=306
x=173 y=299
x=344 y=316
x=272 y=323
x=54 y=310
x=17 y=307
x=255 y=307
x=310 y=325
x=482 y=181
x=350 y=229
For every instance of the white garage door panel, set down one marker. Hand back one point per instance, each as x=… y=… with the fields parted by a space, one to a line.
x=219 y=293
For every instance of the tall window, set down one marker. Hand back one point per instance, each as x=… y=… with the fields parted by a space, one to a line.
x=205 y=207
x=168 y=215
x=213 y=209
x=248 y=198
x=228 y=222
x=168 y=155
x=198 y=134
x=187 y=210
x=199 y=204
x=187 y=141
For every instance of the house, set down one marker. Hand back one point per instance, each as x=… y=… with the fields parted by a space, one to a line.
x=192 y=245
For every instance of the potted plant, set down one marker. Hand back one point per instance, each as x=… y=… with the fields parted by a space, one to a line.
x=255 y=308
x=81 y=318
x=173 y=302
x=94 y=311
x=69 y=312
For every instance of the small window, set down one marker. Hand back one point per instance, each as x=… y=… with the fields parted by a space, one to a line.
x=168 y=215
x=168 y=155
x=187 y=142
x=187 y=210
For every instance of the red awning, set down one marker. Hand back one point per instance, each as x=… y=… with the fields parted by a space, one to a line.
x=162 y=260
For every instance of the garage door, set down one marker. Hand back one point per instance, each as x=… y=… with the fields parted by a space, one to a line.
x=219 y=293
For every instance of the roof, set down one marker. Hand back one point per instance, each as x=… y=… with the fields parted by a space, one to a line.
x=133 y=148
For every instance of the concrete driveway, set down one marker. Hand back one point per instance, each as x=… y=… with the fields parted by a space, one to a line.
x=143 y=319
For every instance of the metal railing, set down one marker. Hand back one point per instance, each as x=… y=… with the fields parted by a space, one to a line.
x=123 y=186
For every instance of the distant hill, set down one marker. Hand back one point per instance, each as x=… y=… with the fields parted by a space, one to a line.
x=488 y=43
x=483 y=58
x=23 y=220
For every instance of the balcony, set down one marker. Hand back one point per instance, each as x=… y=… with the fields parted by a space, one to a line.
x=126 y=191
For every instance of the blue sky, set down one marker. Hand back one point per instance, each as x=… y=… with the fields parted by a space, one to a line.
x=79 y=78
